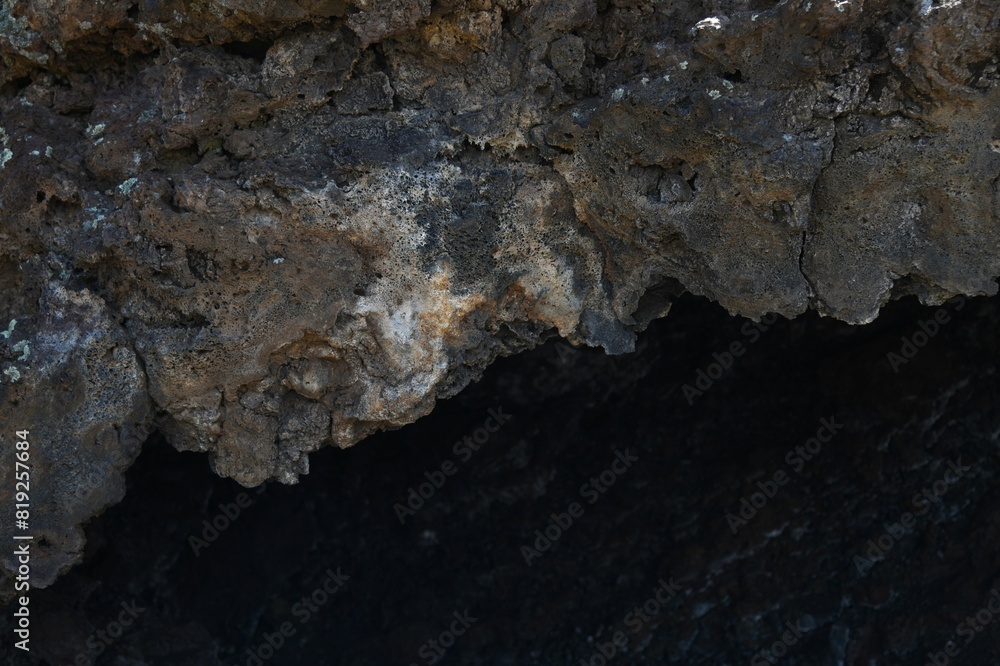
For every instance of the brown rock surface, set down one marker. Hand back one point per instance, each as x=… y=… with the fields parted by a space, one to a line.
x=285 y=225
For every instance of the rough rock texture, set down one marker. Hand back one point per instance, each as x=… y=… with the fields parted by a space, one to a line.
x=665 y=517
x=308 y=221
x=87 y=421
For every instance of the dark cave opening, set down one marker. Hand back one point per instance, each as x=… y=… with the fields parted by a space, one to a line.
x=747 y=482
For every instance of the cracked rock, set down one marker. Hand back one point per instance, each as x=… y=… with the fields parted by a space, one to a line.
x=288 y=226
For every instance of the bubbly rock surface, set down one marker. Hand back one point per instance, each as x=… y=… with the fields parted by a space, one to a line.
x=275 y=226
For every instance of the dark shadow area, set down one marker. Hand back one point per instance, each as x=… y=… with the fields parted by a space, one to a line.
x=768 y=511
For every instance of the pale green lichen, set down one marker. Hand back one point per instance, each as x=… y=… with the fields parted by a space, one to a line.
x=5 y=152
x=10 y=329
x=127 y=187
x=18 y=34
x=92 y=222
x=12 y=373
x=22 y=347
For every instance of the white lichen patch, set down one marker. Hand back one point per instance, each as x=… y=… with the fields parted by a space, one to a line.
x=928 y=6
x=12 y=374
x=10 y=329
x=58 y=342
x=712 y=22
x=19 y=35
x=22 y=347
x=97 y=218
x=95 y=130
x=714 y=94
x=5 y=152
x=127 y=186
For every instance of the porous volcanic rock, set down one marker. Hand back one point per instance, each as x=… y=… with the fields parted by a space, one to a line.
x=276 y=225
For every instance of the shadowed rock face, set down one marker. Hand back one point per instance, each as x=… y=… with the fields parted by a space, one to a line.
x=216 y=568
x=278 y=226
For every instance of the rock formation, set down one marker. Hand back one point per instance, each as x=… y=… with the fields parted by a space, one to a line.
x=274 y=226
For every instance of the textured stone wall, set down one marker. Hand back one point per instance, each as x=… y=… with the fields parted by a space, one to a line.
x=276 y=226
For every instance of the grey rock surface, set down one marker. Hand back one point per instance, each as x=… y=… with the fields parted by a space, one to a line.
x=281 y=226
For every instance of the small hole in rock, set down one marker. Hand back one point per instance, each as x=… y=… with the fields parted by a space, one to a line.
x=254 y=49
